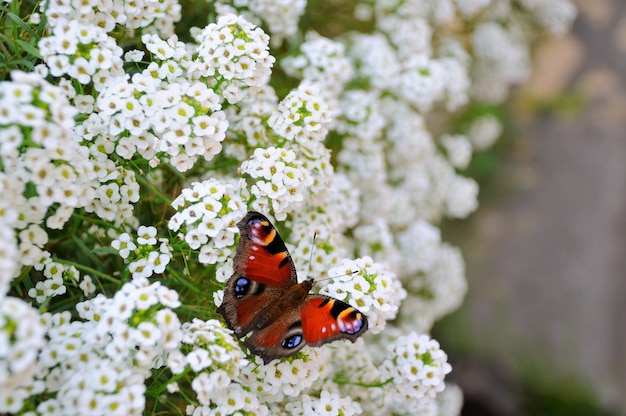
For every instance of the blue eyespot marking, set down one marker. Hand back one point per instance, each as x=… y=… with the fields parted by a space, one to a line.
x=242 y=285
x=292 y=341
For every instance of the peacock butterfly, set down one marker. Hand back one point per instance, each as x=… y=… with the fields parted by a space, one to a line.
x=264 y=299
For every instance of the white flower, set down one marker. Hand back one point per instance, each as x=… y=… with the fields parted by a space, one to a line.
x=146 y=334
x=168 y=297
x=134 y=55
x=198 y=359
x=144 y=297
x=146 y=235
x=176 y=361
x=124 y=245
x=106 y=379
x=158 y=261
x=203 y=388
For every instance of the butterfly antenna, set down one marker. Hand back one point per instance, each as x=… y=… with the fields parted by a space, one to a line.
x=308 y=273
x=340 y=275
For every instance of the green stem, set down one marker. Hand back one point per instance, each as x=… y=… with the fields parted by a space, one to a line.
x=89 y=270
x=352 y=383
x=161 y=196
x=155 y=392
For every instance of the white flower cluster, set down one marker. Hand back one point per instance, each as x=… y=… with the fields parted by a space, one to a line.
x=80 y=50
x=355 y=368
x=282 y=381
x=458 y=148
x=418 y=378
x=281 y=16
x=146 y=254
x=369 y=287
x=375 y=60
x=324 y=69
x=170 y=110
x=235 y=54
x=45 y=173
x=99 y=365
x=56 y=275
x=247 y=126
x=116 y=190
x=503 y=59
x=218 y=361
x=226 y=399
x=322 y=61
x=417 y=365
x=280 y=180
x=426 y=81
x=159 y=15
x=361 y=115
x=340 y=213
x=303 y=117
x=484 y=131
x=9 y=264
x=206 y=218
x=326 y=404
x=213 y=347
x=158 y=113
x=442 y=286
x=556 y=15
x=420 y=75
x=21 y=338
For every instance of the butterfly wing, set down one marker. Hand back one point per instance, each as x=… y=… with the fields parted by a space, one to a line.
x=325 y=319
x=317 y=321
x=281 y=338
x=263 y=271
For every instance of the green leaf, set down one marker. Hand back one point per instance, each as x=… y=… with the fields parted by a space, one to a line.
x=21 y=23
x=29 y=48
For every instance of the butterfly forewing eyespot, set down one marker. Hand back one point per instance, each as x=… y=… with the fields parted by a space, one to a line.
x=350 y=321
x=246 y=287
x=261 y=232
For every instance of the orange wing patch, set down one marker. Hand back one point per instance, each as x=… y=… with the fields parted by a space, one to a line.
x=325 y=319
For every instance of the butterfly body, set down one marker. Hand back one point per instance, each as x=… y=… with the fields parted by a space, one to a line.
x=264 y=299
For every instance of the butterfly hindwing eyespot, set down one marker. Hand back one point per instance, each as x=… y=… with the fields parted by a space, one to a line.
x=293 y=337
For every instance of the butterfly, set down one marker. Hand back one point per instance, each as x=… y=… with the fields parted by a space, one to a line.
x=264 y=299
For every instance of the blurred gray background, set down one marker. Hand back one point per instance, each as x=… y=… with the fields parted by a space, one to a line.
x=546 y=251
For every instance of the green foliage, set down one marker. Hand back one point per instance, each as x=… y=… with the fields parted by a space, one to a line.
x=19 y=37
x=560 y=398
